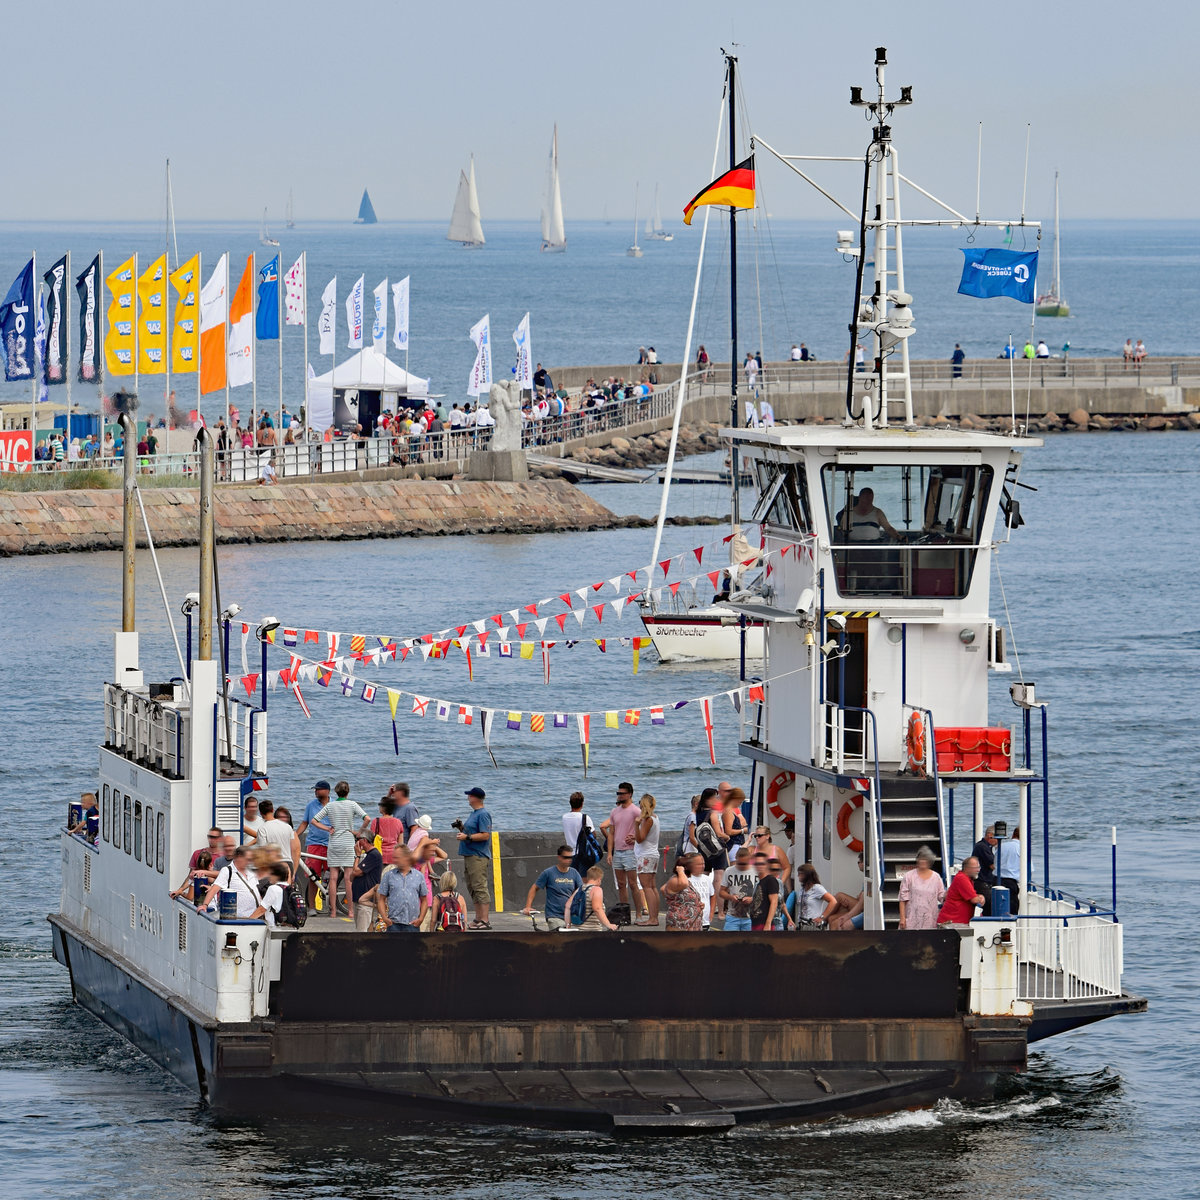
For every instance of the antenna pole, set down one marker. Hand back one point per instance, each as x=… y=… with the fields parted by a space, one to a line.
x=978 y=170
x=1025 y=181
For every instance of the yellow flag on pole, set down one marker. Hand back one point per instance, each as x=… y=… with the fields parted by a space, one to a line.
x=152 y=320
x=120 y=342
x=185 y=339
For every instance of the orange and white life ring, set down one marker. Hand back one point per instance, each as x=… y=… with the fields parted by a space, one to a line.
x=916 y=744
x=843 y=822
x=773 y=789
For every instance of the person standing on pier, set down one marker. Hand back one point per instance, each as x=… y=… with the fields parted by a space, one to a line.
x=475 y=846
x=621 y=830
x=957 y=359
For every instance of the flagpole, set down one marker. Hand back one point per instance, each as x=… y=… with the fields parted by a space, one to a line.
x=253 y=357
x=226 y=342
x=167 y=292
x=304 y=297
x=99 y=348
x=68 y=284
x=199 y=316
x=31 y=323
x=136 y=340
x=279 y=330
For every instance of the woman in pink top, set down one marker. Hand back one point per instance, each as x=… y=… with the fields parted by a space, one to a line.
x=921 y=894
x=388 y=828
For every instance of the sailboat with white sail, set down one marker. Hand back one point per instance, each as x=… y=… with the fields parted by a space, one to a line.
x=554 y=234
x=465 y=226
x=291 y=212
x=1051 y=303
x=264 y=233
x=654 y=226
x=635 y=251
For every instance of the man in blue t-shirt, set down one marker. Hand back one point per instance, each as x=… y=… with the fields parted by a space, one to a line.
x=406 y=810
x=560 y=882
x=475 y=846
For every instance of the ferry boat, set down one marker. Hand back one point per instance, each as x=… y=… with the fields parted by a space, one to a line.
x=870 y=722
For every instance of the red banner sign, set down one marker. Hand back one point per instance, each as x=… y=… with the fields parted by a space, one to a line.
x=16 y=450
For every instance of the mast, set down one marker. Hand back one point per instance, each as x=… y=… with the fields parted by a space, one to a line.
x=1057 y=280
x=736 y=510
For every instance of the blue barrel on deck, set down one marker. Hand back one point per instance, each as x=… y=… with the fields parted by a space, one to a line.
x=1001 y=903
x=74 y=815
x=228 y=908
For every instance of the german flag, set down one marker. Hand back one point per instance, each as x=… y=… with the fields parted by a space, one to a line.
x=735 y=188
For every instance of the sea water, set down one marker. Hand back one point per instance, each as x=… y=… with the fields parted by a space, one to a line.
x=1101 y=585
x=595 y=305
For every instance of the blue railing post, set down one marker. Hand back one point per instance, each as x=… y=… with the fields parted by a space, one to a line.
x=1114 y=873
x=1045 y=804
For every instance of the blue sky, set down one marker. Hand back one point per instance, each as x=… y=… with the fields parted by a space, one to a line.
x=249 y=99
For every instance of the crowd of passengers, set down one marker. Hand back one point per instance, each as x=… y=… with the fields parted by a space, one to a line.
x=388 y=871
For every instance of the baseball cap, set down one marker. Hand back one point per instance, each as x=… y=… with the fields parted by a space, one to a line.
x=477 y=792
x=321 y=785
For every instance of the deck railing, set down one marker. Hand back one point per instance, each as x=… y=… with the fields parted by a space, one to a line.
x=248 y=724
x=147 y=731
x=1067 y=949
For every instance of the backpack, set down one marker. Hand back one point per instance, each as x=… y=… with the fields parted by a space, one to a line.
x=579 y=910
x=708 y=841
x=684 y=844
x=620 y=914
x=450 y=917
x=588 y=850
x=293 y=911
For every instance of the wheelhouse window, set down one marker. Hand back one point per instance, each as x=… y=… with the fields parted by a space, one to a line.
x=905 y=530
x=127 y=825
x=161 y=842
x=137 y=830
x=783 y=497
x=106 y=813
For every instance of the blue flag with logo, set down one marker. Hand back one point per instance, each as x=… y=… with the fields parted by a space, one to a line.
x=17 y=326
x=988 y=273
x=266 y=319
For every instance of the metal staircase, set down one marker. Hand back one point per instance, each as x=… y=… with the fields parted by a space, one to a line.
x=909 y=819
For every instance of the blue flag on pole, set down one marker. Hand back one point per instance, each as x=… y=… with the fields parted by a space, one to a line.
x=988 y=273
x=266 y=319
x=17 y=326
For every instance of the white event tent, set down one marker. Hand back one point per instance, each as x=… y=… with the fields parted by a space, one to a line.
x=356 y=390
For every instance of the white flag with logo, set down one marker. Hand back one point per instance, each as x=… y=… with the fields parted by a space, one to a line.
x=354 y=314
x=481 y=372
x=327 y=326
x=294 y=303
x=524 y=369
x=379 y=329
x=400 y=312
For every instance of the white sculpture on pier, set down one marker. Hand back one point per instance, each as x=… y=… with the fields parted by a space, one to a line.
x=504 y=403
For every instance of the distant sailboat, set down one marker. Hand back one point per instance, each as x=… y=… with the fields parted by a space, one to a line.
x=291 y=211
x=554 y=235
x=366 y=212
x=264 y=234
x=654 y=226
x=464 y=221
x=1051 y=303
x=635 y=251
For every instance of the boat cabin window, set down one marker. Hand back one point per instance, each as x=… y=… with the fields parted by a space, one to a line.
x=783 y=496
x=905 y=530
x=137 y=830
x=161 y=843
x=116 y=818
x=106 y=813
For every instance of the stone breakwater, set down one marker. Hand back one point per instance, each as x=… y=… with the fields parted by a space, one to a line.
x=52 y=522
x=701 y=437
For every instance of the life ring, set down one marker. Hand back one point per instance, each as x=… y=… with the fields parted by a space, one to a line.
x=916 y=743
x=773 y=789
x=843 y=822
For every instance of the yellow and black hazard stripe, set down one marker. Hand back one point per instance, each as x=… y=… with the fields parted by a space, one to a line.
x=854 y=613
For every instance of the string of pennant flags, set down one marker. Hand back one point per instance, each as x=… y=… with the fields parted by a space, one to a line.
x=478 y=637
x=488 y=719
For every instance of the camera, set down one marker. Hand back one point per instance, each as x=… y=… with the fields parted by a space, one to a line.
x=457 y=825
